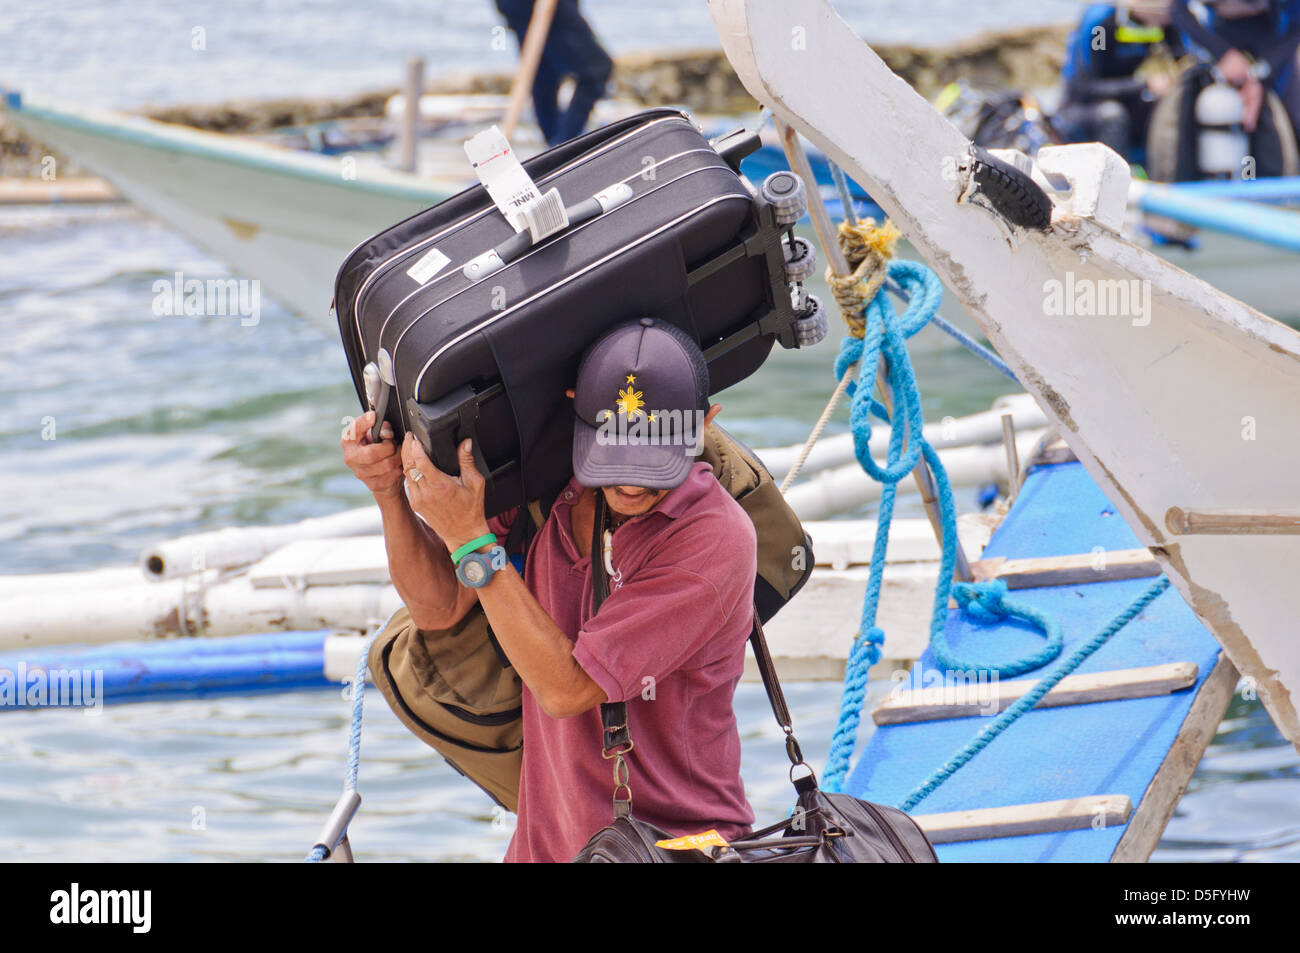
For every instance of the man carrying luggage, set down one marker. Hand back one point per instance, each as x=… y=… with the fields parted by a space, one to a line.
x=670 y=638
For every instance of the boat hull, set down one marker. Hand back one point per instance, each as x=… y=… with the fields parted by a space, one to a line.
x=1185 y=399
x=283 y=218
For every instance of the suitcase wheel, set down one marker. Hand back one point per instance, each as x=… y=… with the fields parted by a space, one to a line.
x=811 y=326
x=800 y=259
x=784 y=191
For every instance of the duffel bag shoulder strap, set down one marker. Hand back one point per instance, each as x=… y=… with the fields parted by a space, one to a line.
x=616 y=738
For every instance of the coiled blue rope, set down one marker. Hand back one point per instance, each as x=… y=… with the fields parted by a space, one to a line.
x=885 y=333
x=1032 y=697
x=318 y=853
x=986 y=602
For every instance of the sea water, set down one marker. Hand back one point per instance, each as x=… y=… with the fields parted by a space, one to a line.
x=123 y=427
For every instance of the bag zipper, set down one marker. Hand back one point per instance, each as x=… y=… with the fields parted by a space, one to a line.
x=419 y=378
x=892 y=837
x=451 y=274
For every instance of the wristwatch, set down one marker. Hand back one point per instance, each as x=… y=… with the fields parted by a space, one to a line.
x=476 y=570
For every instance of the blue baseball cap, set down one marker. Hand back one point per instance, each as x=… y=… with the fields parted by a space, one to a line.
x=639 y=403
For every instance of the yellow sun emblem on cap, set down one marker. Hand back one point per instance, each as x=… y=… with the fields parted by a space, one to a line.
x=630 y=402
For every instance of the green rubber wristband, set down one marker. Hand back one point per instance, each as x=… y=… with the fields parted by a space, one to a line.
x=472 y=545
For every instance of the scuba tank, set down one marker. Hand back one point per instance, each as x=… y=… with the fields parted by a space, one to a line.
x=1196 y=133
x=1222 y=144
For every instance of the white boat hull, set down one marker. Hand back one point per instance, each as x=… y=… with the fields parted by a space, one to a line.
x=284 y=218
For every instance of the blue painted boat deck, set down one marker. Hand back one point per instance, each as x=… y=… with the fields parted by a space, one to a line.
x=1072 y=751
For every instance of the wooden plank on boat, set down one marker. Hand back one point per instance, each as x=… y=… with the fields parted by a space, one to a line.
x=42 y=192
x=351 y=561
x=1074 y=569
x=1157 y=803
x=989 y=698
x=1045 y=817
x=1183 y=522
x=1056 y=452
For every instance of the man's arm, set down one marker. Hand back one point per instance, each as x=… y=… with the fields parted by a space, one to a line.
x=537 y=648
x=417 y=559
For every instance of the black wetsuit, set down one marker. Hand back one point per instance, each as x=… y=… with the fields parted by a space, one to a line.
x=1271 y=36
x=1105 y=101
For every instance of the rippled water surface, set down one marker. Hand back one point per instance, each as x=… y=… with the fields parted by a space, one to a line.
x=164 y=426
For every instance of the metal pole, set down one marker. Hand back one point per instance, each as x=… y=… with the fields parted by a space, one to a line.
x=826 y=237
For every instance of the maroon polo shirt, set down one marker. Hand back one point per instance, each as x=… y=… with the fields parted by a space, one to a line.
x=669 y=641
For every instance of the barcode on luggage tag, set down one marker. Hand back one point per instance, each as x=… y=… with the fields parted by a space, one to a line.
x=546 y=215
x=430 y=263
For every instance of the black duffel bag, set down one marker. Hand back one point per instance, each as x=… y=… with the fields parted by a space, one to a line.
x=487 y=354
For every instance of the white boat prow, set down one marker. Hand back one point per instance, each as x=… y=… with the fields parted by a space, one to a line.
x=1186 y=400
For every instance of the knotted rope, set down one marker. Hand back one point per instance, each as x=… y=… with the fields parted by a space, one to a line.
x=868 y=249
x=875 y=332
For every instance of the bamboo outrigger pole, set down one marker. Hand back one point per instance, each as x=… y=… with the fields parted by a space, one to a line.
x=821 y=222
x=530 y=55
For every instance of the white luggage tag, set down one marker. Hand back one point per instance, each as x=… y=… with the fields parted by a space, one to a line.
x=502 y=174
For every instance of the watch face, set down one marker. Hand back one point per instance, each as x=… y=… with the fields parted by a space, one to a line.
x=474 y=570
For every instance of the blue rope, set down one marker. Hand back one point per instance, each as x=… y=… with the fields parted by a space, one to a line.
x=846 y=197
x=1033 y=696
x=886 y=333
x=317 y=853
x=986 y=602
x=965 y=340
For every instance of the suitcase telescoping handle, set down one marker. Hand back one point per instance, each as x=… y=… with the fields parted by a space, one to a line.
x=512 y=248
x=379 y=380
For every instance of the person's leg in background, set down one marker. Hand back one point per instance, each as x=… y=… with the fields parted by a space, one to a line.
x=573 y=50
x=1105 y=121
x=546 y=83
x=1288 y=90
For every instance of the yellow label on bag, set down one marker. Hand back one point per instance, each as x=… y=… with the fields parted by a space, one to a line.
x=693 y=841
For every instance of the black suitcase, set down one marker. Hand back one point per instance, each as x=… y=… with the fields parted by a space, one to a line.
x=489 y=357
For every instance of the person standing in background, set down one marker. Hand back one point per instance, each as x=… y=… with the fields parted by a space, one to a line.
x=1108 y=94
x=1254 y=45
x=571 y=49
